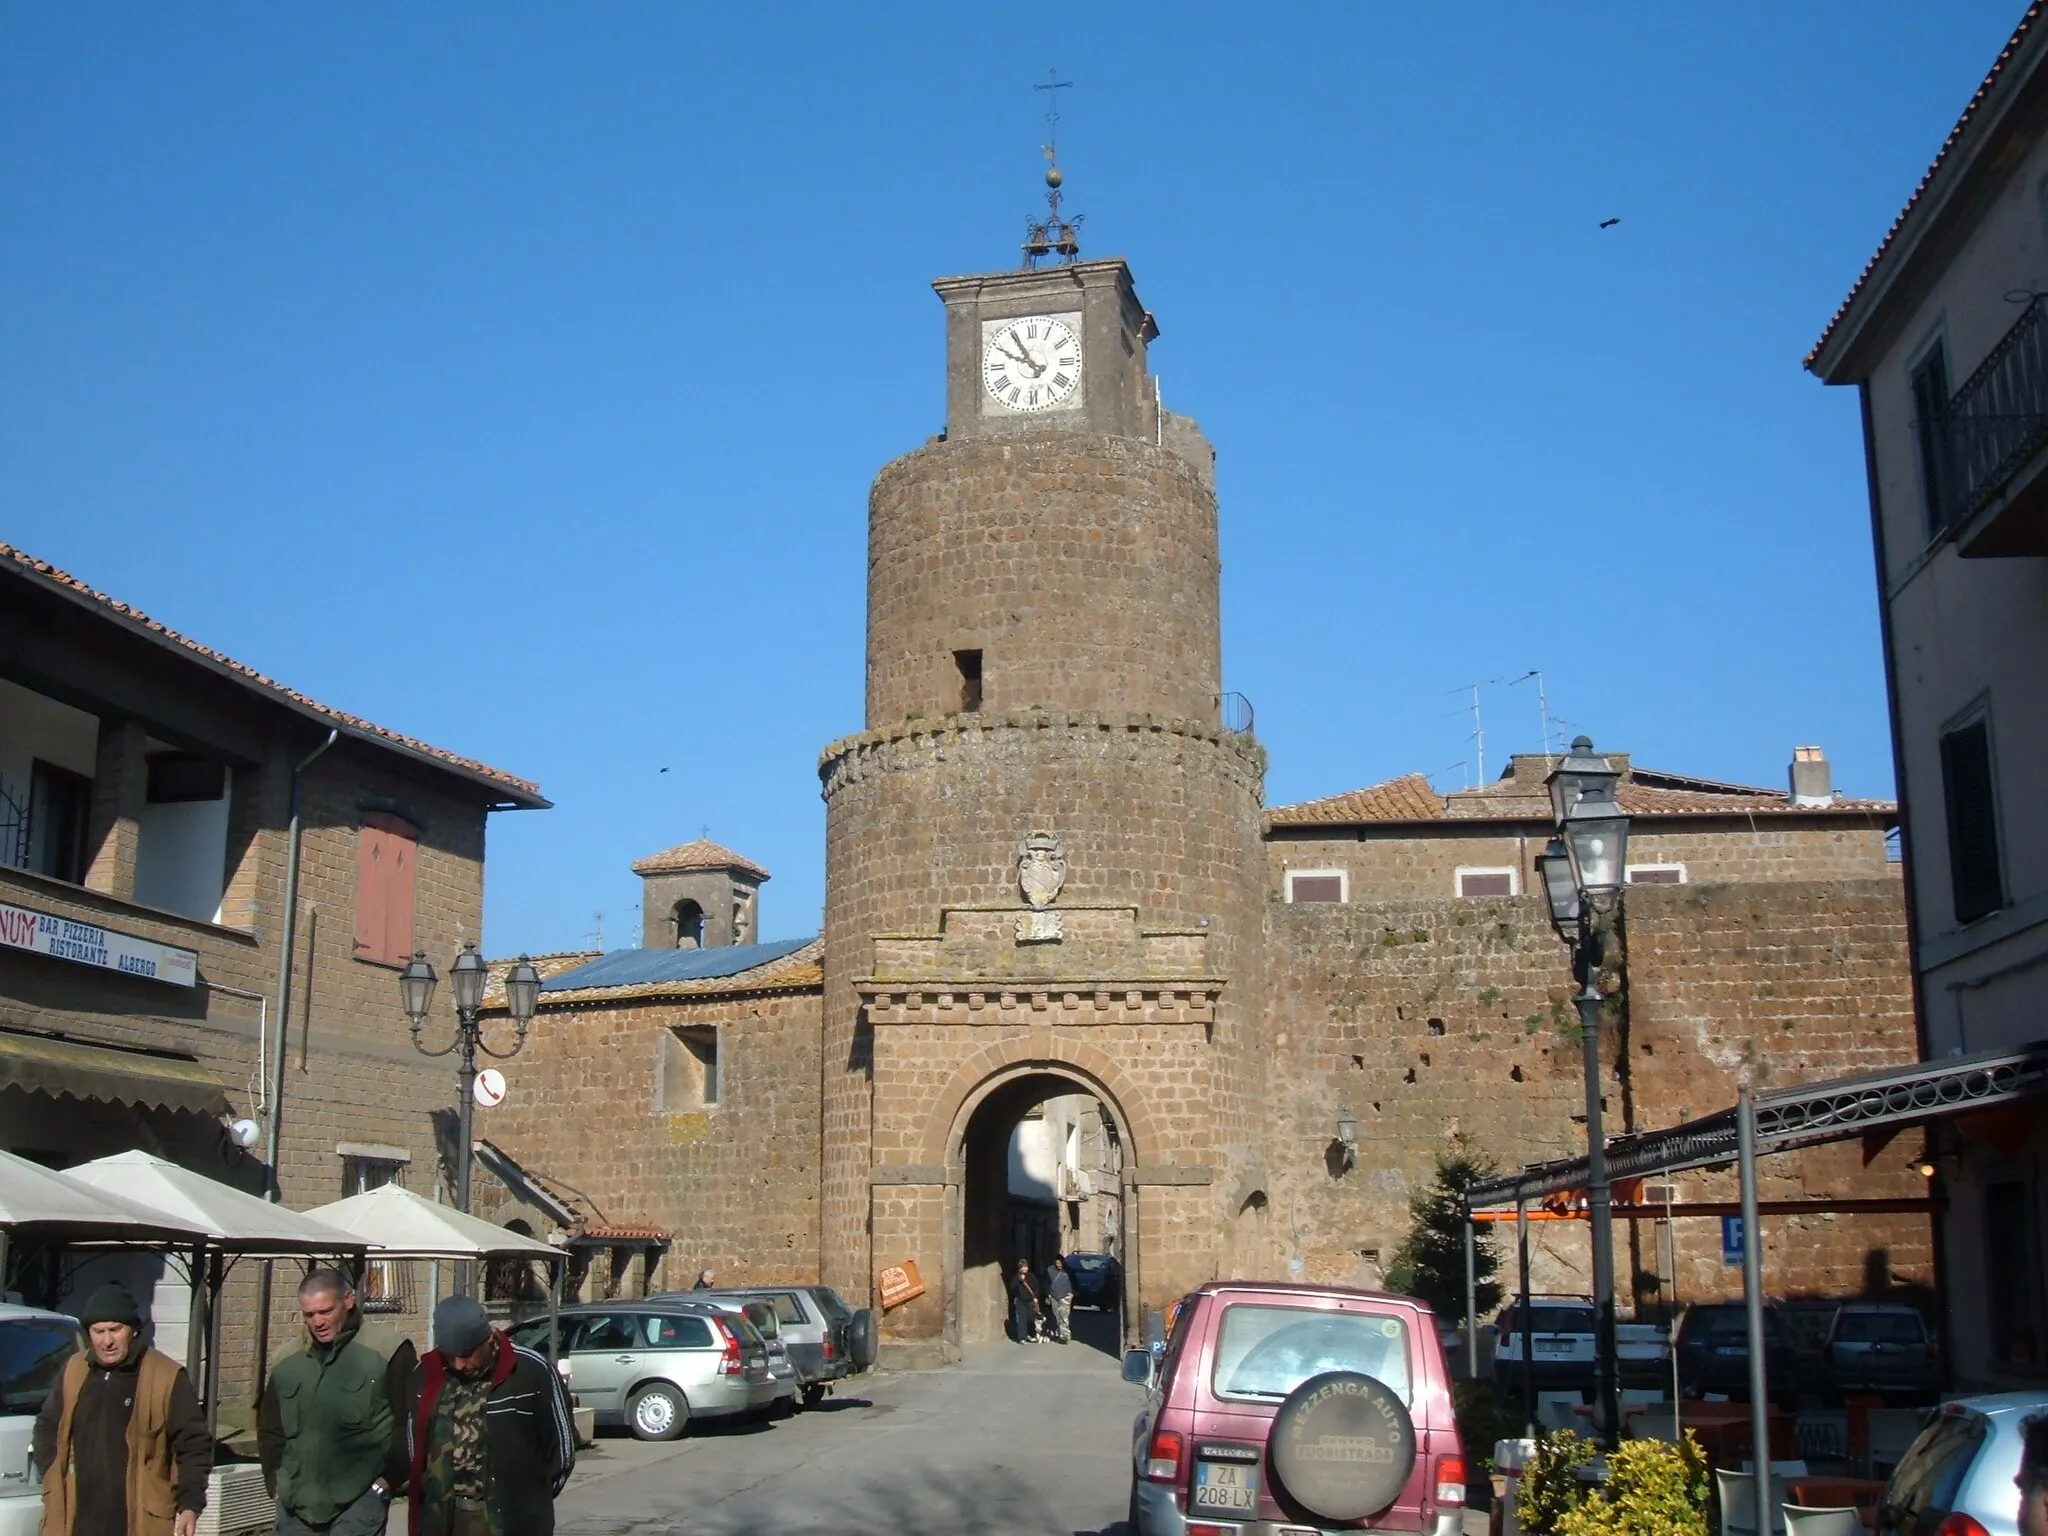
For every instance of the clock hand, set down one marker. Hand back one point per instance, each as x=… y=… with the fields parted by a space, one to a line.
x=1021 y=355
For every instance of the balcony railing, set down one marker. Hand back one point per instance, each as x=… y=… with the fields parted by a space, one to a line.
x=1235 y=711
x=1998 y=419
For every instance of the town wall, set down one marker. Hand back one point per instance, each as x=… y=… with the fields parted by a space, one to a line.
x=1446 y=1026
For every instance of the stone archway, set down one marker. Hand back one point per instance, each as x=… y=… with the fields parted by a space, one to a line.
x=970 y=1136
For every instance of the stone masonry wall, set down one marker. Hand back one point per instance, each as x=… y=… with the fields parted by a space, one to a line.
x=736 y=1183
x=1405 y=863
x=1446 y=1025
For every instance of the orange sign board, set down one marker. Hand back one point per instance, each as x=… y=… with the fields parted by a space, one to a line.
x=899 y=1283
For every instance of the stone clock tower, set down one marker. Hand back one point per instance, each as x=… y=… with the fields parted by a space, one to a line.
x=1043 y=867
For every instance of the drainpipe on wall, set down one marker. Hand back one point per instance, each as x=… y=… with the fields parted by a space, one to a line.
x=289 y=939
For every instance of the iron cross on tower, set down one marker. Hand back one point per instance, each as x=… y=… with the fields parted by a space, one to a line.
x=1052 y=236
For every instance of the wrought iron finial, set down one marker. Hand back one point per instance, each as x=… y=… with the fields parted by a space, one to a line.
x=1052 y=237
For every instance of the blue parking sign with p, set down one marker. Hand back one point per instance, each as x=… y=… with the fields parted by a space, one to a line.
x=1731 y=1239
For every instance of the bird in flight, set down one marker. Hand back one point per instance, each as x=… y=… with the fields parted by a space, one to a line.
x=1609 y=223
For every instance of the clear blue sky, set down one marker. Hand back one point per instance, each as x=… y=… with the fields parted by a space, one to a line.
x=513 y=375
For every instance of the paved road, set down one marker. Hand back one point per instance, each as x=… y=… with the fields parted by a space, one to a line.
x=1022 y=1440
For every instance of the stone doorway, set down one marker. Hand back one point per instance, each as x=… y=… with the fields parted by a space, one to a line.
x=1021 y=1147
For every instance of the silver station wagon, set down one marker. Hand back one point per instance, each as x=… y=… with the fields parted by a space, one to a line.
x=655 y=1367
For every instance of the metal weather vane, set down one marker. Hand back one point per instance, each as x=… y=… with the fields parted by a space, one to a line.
x=1053 y=237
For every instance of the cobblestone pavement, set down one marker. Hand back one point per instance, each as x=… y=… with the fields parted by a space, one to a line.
x=1019 y=1439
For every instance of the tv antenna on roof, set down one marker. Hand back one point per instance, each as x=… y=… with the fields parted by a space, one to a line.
x=1542 y=703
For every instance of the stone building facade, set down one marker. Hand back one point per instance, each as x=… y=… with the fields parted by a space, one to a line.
x=146 y=794
x=1050 y=874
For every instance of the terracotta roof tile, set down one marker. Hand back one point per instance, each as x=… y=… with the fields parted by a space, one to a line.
x=1408 y=798
x=1644 y=793
x=1955 y=134
x=41 y=570
x=700 y=854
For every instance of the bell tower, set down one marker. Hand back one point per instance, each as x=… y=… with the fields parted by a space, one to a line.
x=1043 y=867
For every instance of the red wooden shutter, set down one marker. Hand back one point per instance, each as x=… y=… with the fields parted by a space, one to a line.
x=386 y=888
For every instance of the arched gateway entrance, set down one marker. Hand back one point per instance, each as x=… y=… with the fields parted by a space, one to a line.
x=997 y=1213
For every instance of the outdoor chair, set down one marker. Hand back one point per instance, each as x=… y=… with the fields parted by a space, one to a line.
x=1802 y=1521
x=1738 y=1504
x=1655 y=1426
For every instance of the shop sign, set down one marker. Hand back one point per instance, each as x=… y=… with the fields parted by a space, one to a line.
x=44 y=933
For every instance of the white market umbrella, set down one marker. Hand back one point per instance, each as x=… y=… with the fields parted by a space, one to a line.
x=36 y=1201
x=223 y=1217
x=395 y=1223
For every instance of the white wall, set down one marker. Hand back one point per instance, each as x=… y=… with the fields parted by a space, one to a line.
x=31 y=727
x=181 y=854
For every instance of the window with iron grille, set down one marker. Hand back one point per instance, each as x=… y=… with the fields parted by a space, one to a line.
x=59 y=809
x=1969 y=793
x=383 y=1285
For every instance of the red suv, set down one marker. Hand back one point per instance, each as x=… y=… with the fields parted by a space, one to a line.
x=1294 y=1410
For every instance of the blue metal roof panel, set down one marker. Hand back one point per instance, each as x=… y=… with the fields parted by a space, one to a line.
x=638 y=967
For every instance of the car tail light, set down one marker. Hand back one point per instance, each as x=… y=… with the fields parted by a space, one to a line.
x=729 y=1363
x=1196 y=1528
x=1450 y=1479
x=1162 y=1459
x=565 y=1371
x=831 y=1349
x=1960 y=1524
x=1930 y=1349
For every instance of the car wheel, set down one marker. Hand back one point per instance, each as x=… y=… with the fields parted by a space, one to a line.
x=814 y=1394
x=861 y=1339
x=657 y=1412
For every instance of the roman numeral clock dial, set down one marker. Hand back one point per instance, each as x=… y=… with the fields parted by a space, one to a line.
x=1032 y=364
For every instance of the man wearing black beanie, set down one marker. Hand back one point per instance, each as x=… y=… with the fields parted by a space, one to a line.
x=123 y=1445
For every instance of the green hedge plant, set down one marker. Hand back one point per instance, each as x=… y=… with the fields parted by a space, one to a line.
x=1653 y=1488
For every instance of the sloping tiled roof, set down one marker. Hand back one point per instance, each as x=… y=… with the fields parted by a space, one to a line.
x=1642 y=792
x=523 y=792
x=701 y=854
x=1955 y=135
x=1408 y=798
x=790 y=965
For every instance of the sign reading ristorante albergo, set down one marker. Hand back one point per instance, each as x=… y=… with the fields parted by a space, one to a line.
x=44 y=933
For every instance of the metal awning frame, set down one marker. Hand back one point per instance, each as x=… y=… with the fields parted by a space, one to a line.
x=1804 y=1115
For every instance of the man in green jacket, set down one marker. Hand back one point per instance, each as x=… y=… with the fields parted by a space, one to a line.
x=325 y=1428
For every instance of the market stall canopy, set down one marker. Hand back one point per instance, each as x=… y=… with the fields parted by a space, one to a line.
x=395 y=1223
x=37 y=1202
x=224 y=1217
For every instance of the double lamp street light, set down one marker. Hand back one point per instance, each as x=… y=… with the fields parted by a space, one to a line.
x=1584 y=869
x=467 y=978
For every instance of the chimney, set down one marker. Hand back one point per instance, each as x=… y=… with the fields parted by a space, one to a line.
x=1811 y=783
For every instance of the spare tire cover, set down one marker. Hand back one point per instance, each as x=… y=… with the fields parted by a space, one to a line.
x=861 y=1340
x=1342 y=1445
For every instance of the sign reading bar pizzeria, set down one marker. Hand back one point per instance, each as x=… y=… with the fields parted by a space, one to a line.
x=44 y=933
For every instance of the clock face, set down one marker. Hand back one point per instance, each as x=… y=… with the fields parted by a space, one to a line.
x=1031 y=364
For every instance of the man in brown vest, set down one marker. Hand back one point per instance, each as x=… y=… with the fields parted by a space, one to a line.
x=123 y=1446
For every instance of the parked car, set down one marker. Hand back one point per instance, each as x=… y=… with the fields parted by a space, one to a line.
x=1555 y=1350
x=1098 y=1280
x=655 y=1367
x=789 y=1387
x=827 y=1340
x=1273 y=1407
x=34 y=1345
x=1713 y=1353
x=1956 y=1478
x=1883 y=1349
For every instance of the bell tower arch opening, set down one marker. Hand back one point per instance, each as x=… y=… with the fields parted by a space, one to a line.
x=1040 y=1154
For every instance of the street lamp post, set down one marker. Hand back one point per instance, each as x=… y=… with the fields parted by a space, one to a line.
x=1583 y=871
x=467 y=977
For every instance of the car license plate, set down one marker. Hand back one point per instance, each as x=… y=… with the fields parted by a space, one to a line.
x=1553 y=1346
x=1221 y=1489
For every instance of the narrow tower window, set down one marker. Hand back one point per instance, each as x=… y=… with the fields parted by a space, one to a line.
x=969 y=663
